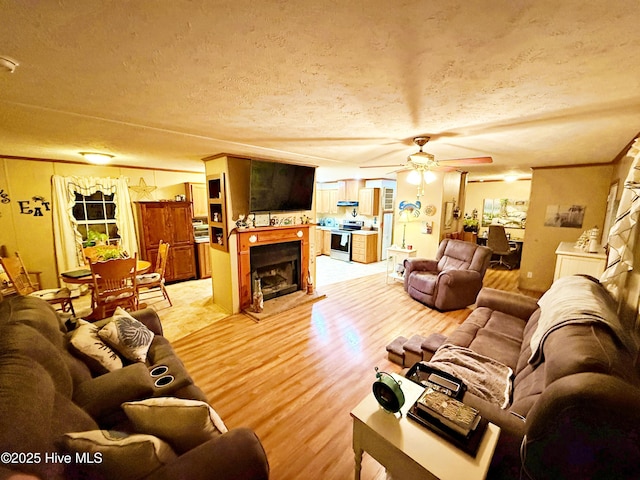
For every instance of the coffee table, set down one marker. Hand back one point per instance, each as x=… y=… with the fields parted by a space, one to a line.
x=408 y=450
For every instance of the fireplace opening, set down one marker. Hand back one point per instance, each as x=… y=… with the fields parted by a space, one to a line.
x=277 y=266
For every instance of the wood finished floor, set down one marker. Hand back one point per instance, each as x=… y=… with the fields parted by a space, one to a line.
x=295 y=377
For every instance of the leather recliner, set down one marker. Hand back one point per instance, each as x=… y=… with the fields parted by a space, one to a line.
x=452 y=280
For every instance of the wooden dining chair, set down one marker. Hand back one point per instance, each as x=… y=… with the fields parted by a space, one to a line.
x=23 y=283
x=155 y=281
x=114 y=285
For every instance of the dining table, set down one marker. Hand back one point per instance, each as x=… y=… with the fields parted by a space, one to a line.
x=83 y=276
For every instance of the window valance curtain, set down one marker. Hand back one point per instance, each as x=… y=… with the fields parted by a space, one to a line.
x=68 y=240
x=623 y=231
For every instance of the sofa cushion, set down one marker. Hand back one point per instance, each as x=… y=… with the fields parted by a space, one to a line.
x=185 y=424
x=424 y=282
x=127 y=336
x=119 y=455
x=27 y=396
x=23 y=339
x=88 y=345
x=36 y=313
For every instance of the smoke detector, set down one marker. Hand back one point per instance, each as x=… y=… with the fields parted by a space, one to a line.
x=8 y=64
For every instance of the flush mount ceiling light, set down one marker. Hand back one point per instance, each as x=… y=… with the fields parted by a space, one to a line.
x=97 y=158
x=8 y=64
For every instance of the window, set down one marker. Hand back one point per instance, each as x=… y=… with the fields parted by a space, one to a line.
x=96 y=217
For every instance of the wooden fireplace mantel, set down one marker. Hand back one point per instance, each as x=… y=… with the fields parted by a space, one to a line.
x=253 y=237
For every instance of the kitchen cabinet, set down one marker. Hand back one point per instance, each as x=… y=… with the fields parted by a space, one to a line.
x=327 y=201
x=196 y=193
x=171 y=223
x=364 y=247
x=348 y=189
x=369 y=201
x=204 y=260
x=326 y=242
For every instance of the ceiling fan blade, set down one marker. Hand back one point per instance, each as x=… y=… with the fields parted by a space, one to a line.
x=384 y=166
x=466 y=161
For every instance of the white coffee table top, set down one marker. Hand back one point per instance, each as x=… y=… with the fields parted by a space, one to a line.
x=427 y=448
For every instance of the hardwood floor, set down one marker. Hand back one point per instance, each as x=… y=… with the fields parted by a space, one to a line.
x=295 y=377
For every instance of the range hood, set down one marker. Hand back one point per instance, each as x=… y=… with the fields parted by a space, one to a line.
x=347 y=203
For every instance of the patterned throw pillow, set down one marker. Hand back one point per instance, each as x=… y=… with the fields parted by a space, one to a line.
x=127 y=336
x=119 y=455
x=185 y=424
x=98 y=356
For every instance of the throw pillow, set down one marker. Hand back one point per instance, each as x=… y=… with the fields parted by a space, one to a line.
x=185 y=424
x=120 y=455
x=98 y=356
x=127 y=336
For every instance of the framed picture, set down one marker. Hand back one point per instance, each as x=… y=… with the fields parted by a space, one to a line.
x=566 y=216
x=448 y=214
x=612 y=210
x=262 y=220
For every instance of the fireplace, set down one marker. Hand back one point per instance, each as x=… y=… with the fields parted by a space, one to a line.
x=268 y=253
x=277 y=266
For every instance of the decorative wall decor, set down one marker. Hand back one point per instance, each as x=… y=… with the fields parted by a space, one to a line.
x=34 y=206
x=448 y=214
x=143 y=190
x=567 y=216
x=4 y=196
x=505 y=211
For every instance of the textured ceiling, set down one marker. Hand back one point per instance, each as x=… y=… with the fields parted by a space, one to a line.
x=337 y=84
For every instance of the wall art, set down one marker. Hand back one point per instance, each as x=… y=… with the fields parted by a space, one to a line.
x=507 y=212
x=567 y=216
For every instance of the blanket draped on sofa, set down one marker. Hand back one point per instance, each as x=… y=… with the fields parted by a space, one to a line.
x=484 y=377
x=571 y=300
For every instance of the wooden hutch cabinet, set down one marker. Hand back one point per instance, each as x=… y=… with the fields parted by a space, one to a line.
x=171 y=223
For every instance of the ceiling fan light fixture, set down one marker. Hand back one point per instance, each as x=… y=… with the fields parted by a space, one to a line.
x=422 y=158
x=414 y=177
x=97 y=158
x=429 y=177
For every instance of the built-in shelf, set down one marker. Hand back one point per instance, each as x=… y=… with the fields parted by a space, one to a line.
x=217 y=212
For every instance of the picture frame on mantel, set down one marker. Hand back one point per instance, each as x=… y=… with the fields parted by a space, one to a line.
x=262 y=219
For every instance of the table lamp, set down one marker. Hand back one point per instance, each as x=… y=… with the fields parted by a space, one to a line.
x=404 y=218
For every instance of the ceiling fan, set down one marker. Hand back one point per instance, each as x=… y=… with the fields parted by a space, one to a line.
x=423 y=161
x=422 y=165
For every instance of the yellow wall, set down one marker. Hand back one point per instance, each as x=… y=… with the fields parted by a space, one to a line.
x=32 y=235
x=444 y=189
x=584 y=185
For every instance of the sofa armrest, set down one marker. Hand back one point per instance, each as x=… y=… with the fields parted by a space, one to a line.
x=514 y=304
x=594 y=415
x=103 y=395
x=459 y=278
x=233 y=455
x=418 y=264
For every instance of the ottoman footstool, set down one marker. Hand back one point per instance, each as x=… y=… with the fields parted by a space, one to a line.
x=395 y=352
x=413 y=350
x=431 y=344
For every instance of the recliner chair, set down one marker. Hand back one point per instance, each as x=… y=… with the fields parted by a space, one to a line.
x=452 y=280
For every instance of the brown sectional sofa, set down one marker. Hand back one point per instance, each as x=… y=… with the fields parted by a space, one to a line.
x=576 y=414
x=46 y=391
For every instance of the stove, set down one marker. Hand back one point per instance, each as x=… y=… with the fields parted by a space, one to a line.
x=341 y=239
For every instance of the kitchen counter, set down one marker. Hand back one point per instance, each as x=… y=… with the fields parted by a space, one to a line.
x=365 y=232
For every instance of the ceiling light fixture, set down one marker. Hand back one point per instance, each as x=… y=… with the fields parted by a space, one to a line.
x=8 y=64
x=97 y=158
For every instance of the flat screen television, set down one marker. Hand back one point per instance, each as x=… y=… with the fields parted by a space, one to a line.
x=280 y=187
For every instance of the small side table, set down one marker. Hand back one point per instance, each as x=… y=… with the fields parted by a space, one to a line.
x=396 y=255
x=407 y=449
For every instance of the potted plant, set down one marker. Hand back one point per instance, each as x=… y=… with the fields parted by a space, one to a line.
x=470 y=222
